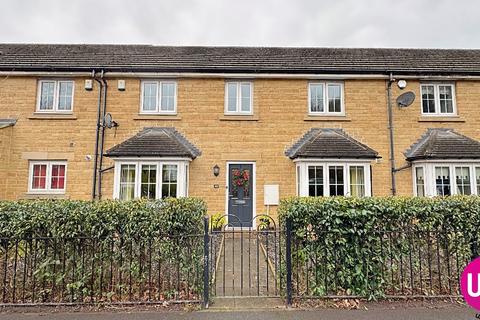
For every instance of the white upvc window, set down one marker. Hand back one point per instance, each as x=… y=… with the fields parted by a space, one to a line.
x=239 y=97
x=438 y=99
x=55 y=96
x=326 y=98
x=434 y=178
x=150 y=179
x=333 y=178
x=47 y=177
x=158 y=97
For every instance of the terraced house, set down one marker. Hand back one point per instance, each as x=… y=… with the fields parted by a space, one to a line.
x=239 y=127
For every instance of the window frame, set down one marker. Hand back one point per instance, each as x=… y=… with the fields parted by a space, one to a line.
x=48 y=183
x=325 y=111
x=182 y=175
x=238 y=100
x=429 y=175
x=415 y=184
x=56 y=96
x=436 y=94
x=138 y=174
x=303 y=165
x=158 y=105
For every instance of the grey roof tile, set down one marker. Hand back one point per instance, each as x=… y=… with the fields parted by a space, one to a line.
x=155 y=142
x=329 y=143
x=147 y=58
x=7 y=123
x=441 y=143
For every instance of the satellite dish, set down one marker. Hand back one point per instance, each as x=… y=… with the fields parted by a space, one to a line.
x=405 y=99
x=108 y=121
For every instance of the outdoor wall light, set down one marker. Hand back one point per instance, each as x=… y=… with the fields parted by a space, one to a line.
x=216 y=170
x=402 y=84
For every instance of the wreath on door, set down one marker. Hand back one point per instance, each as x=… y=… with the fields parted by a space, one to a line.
x=241 y=179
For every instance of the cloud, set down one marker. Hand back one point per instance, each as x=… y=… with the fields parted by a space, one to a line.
x=345 y=23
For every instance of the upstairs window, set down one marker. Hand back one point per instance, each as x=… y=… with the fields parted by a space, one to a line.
x=55 y=96
x=159 y=97
x=238 y=98
x=438 y=99
x=47 y=177
x=325 y=98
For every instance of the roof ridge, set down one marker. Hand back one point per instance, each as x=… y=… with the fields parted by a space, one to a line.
x=219 y=46
x=417 y=144
x=297 y=145
x=23 y=57
x=183 y=141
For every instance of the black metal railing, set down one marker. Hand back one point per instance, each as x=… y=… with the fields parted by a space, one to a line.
x=234 y=261
x=382 y=264
x=91 y=270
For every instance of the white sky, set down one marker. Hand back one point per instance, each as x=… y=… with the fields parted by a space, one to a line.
x=341 y=23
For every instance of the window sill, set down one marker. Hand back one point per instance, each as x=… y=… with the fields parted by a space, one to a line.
x=32 y=195
x=52 y=116
x=440 y=119
x=157 y=117
x=326 y=118
x=228 y=117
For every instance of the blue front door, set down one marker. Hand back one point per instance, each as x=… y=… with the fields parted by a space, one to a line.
x=240 y=195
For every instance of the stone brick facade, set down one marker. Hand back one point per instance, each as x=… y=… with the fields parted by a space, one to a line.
x=280 y=118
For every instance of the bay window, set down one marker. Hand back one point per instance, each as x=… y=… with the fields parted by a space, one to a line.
x=446 y=178
x=150 y=179
x=315 y=181
x=477 y=179
x=169 y=180
x=127 y=181
x=336 y=181
x=148 y=183
x=462 y=177
x=420 y=181
x=323 y=178
x=357 y=181
x=442 y=181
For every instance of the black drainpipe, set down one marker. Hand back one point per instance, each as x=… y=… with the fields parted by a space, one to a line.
x=391 y=80
x=97 y=135
x=102 y=141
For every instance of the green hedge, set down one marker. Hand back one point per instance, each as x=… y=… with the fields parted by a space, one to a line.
x=376 y=247
x=66 y=218
x=348 y=214
x=108 y=251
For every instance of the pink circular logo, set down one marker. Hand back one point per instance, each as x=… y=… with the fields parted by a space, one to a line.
x=470 y=284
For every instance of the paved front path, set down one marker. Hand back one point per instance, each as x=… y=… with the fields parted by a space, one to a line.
x=243 y=269
x=453 y=313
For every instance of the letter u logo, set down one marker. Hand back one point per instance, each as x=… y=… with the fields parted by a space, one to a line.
x=470 y=286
